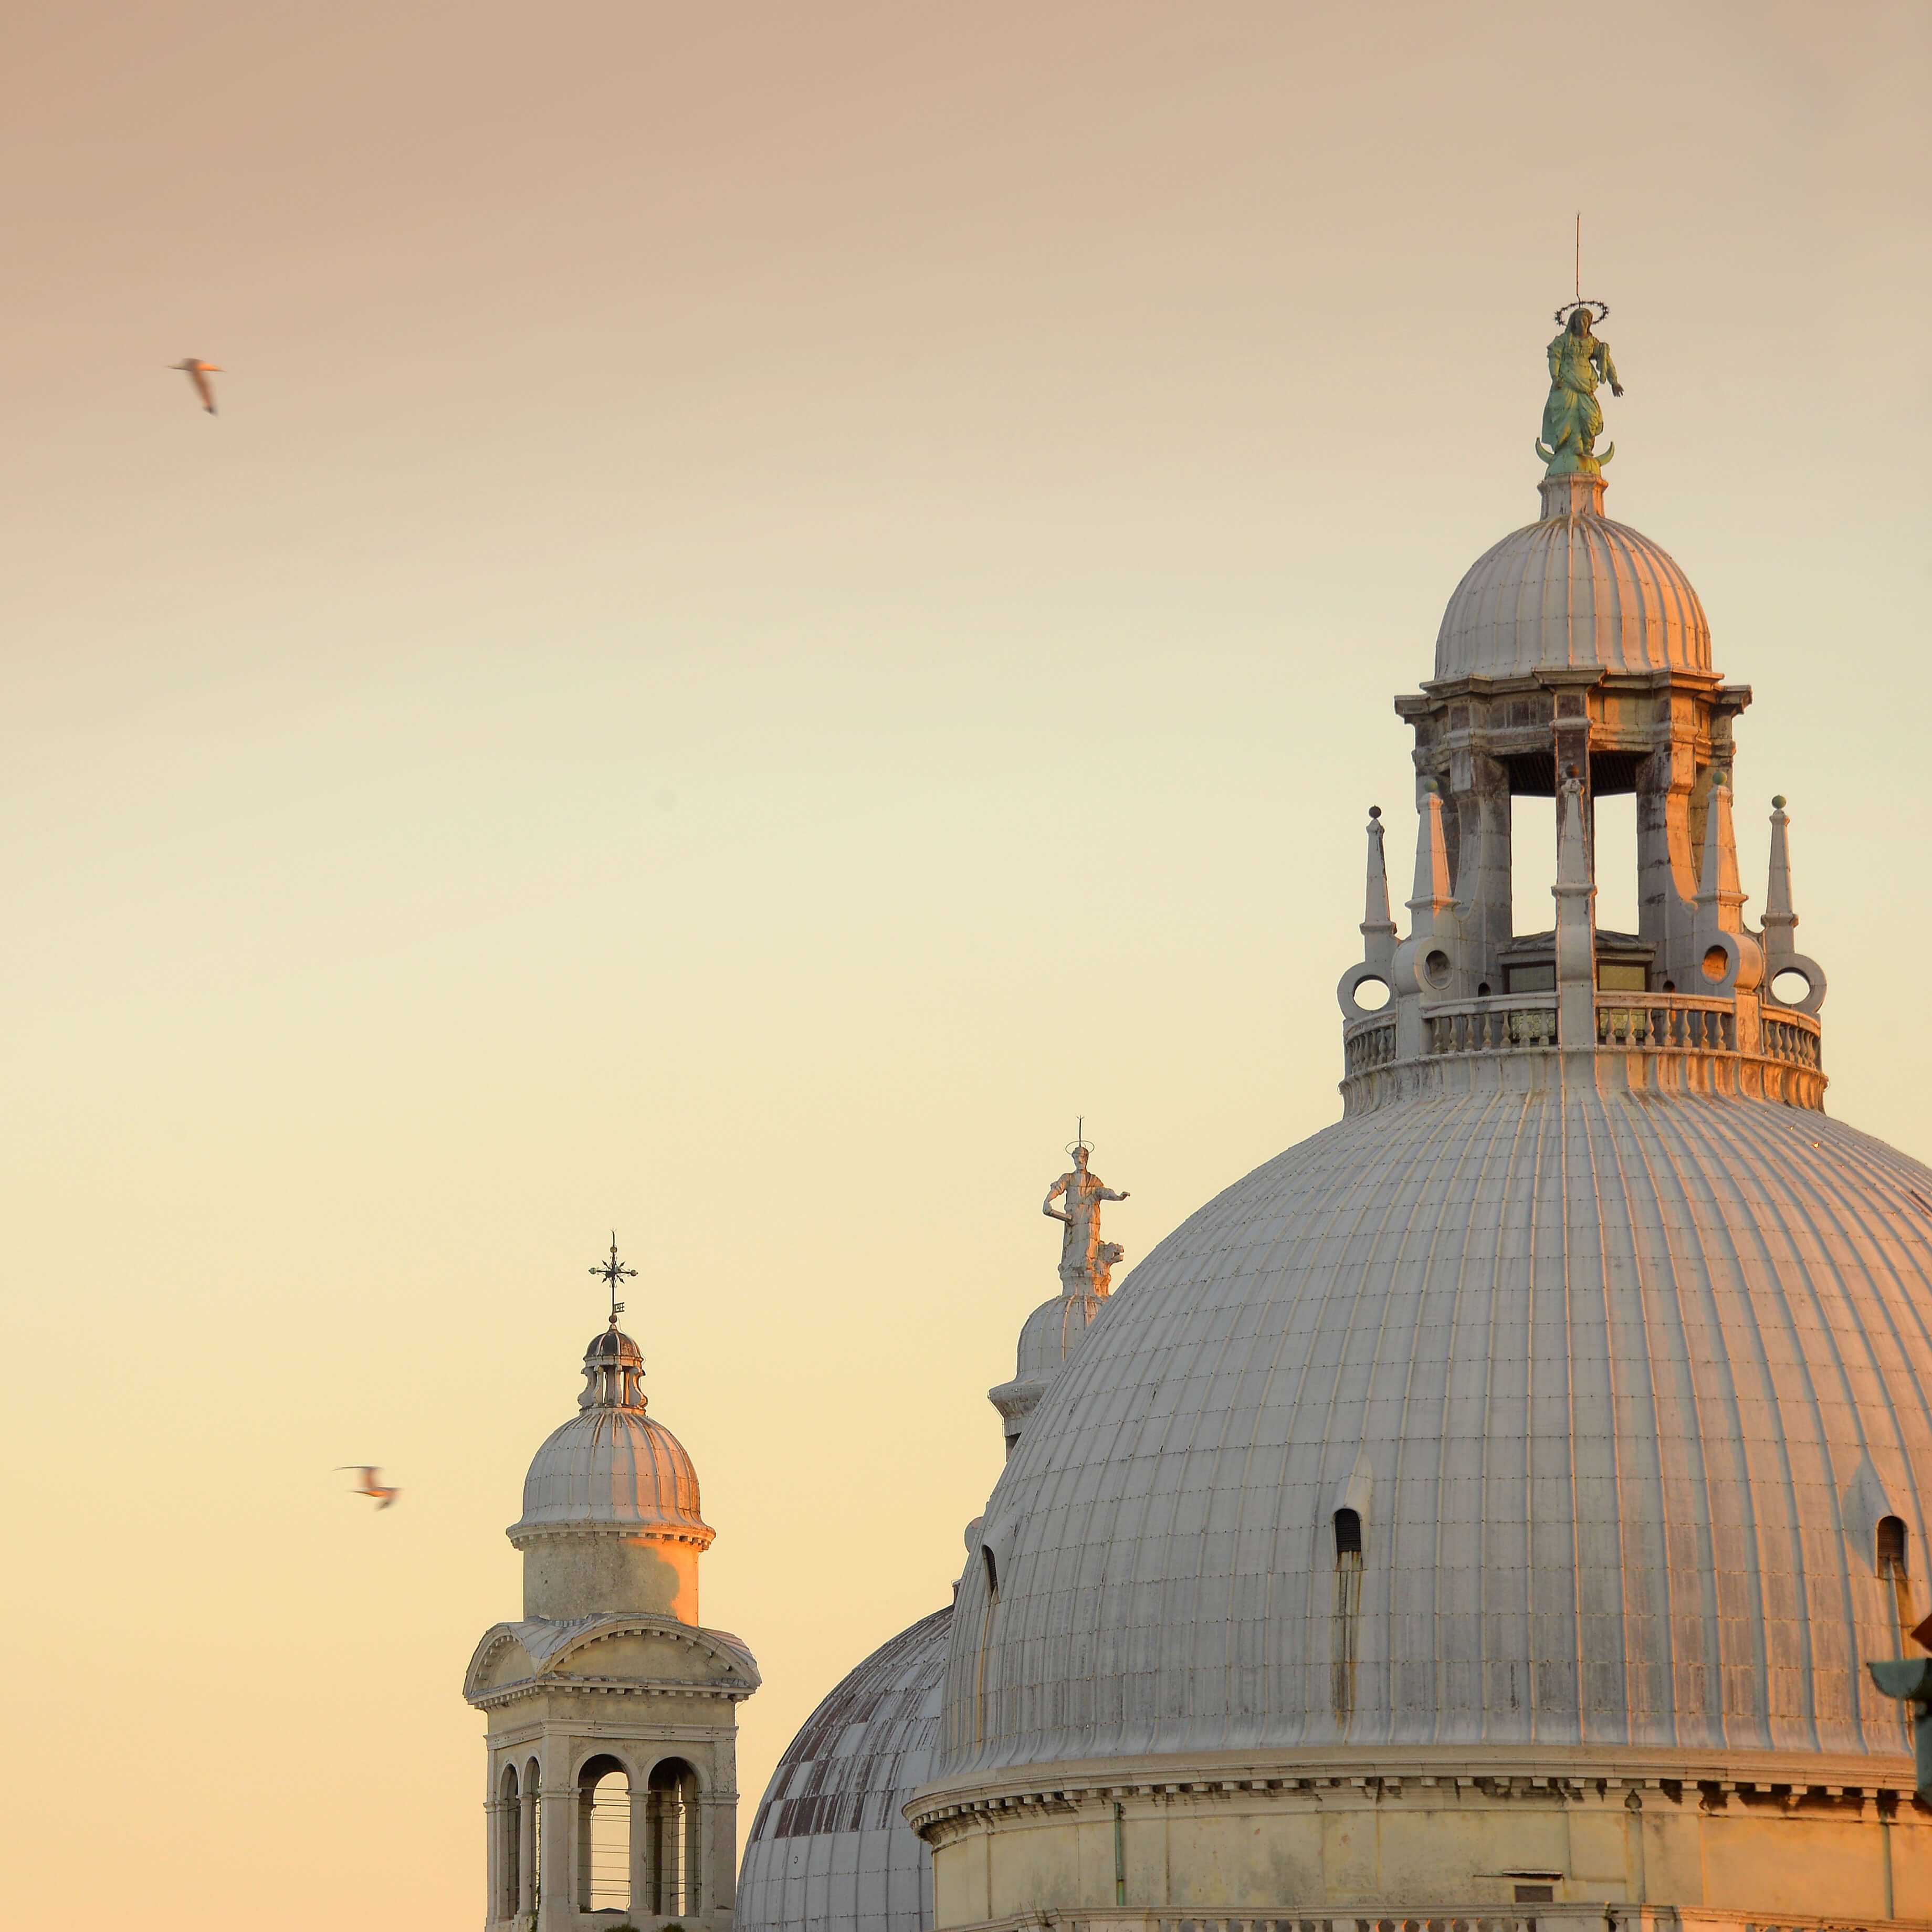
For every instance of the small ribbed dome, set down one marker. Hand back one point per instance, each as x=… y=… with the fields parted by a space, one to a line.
x=830 y=1850
x=1573 y=590
x=1051 y=1332
x=614 y=1345
x=611 y=1467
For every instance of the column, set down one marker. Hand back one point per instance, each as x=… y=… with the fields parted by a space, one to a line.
x=719 y=1804
x=641 y=1902
x=1666 y=865
x=1481 y=858
x=497 y=1823
x=526 y=1849
x=556 y=1806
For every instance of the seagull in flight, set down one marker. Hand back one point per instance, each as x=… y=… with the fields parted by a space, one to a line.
x=198 y=372
x=384 y=1496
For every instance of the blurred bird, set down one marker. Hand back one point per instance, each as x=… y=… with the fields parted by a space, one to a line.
x=370 y=1487
x=198 y=372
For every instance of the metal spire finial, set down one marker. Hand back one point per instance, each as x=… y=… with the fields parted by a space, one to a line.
x=613 y=1271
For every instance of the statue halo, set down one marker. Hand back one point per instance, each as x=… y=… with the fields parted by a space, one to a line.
x=1598 y=310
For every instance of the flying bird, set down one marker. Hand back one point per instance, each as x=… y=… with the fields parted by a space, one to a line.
x=385 y=1495
x=198 y=372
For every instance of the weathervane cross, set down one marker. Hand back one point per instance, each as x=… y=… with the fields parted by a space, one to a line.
x=613 y=1271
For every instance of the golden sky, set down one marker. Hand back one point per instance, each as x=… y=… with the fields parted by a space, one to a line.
x=784 y=597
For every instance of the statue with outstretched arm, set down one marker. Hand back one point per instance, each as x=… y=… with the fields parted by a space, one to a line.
x=1081 y=1269
x=1579 y=359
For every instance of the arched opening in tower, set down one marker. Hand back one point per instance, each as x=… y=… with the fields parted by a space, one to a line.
x=603 y=1836
x=509 y=1845
x=1616 y=878
x=1532 y=867
x=671 y=1838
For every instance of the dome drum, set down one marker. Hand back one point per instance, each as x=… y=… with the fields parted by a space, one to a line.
x=1231 y=1843
x=1660 y=1046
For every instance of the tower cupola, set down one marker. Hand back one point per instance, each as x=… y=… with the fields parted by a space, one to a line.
x=611 y=1518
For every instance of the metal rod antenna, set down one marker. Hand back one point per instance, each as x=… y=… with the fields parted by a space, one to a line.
x=1580 y=254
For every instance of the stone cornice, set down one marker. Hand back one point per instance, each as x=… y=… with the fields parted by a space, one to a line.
x=1550 y=1773
x=523 y=1534
x=544 y=1684
x=734 y=1674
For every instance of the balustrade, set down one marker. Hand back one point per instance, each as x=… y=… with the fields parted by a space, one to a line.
x=1657 y=1023
x=1583 y=1917
x=1792 y=1038
x=1490 y=1026
x=1663 y=1022
x=1370 y=1045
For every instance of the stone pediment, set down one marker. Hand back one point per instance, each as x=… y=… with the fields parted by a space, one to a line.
x=617 y=1652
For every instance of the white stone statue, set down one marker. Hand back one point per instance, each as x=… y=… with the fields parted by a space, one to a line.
x=1086 y=1262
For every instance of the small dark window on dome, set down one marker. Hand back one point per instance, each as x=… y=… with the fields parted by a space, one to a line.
x=992 y=1571
x=1348 y=1533
x=1891 y=1547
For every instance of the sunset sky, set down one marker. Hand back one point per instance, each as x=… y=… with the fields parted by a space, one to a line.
x=784 y=599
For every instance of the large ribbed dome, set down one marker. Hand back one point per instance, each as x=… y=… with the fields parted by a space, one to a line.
x=829 y=1848
x=1574 y=590
x=1618 y=1386
x=610 y=1467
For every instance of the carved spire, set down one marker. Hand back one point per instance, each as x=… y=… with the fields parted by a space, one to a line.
x=1431 y=897
x=1719 y=897
x=1780 y=923
x=1378 y=928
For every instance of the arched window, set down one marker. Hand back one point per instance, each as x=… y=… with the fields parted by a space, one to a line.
x=992 y=1571
x=533 y=1831
x=1891 y=1547
x=1348 y=1534
x=671 y=1839
x=1346 y=1628
x=603 y=1836
x=509 y=1844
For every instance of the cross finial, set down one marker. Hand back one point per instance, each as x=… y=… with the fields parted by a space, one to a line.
x=613 y=1271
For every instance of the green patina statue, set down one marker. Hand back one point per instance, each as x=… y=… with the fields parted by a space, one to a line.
x=1571 y=420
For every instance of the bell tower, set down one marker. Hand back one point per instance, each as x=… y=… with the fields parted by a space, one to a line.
x=611 y=1752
